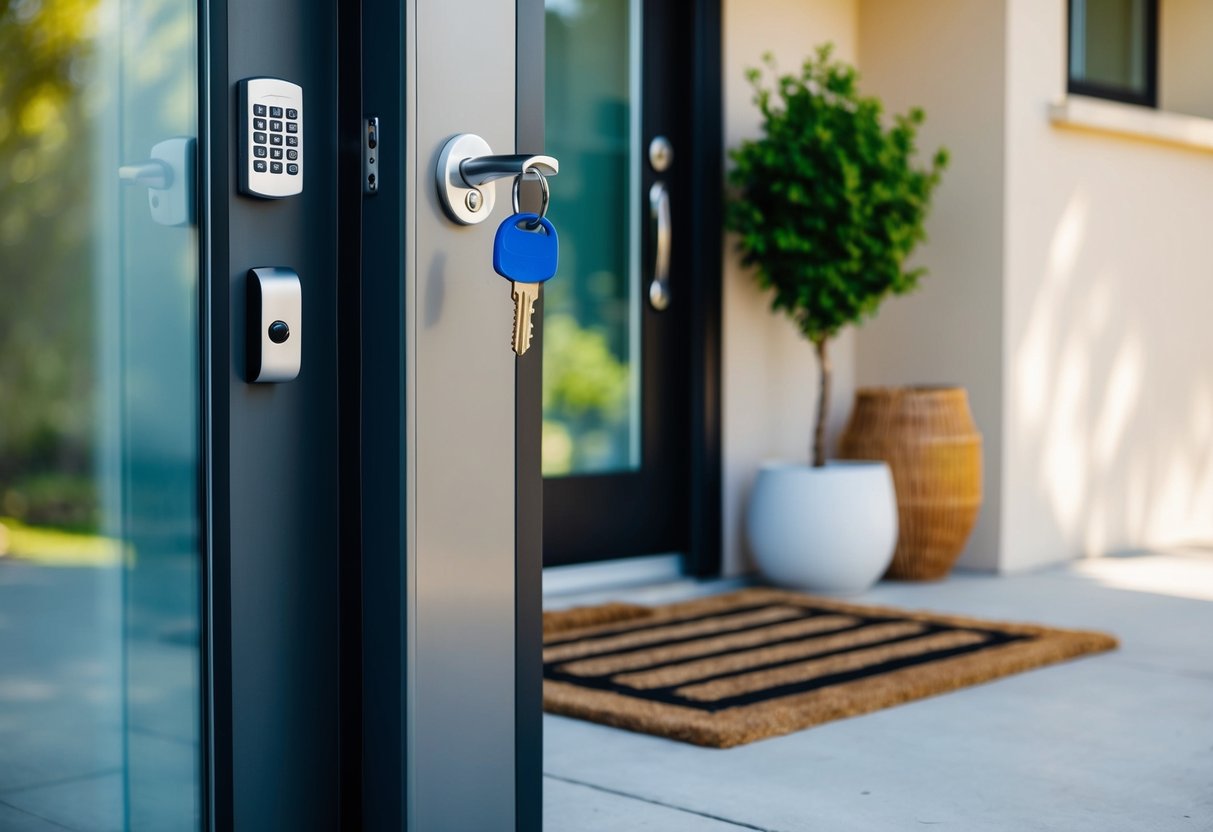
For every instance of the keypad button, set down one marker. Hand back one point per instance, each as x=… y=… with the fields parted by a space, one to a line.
x=275 y=138
x=292 y=169
x=258 y=109
x=292 y=155
x=276 y=126
x=259 y=166
x=259 y=151
x=259 y=138
x=291 y=112
x=275 y=112
x=276 y=153
x=292 y=141
x=258 y=124
x=275 y=167
x=292 y=127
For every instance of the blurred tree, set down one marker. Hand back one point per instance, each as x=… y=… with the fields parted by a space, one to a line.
x=46 y=281
x=585 y=395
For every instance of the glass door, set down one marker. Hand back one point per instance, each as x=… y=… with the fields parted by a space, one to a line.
x=615 y=352
x=99 y=426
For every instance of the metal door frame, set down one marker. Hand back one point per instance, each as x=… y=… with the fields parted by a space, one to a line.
x=273 y=669
x=341 y=720
x=400 y=739
x=682 y=345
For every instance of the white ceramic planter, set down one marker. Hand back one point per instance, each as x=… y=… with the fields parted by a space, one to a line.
x=829 y=529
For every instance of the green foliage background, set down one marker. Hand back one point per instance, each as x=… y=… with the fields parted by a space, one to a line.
x=829 y=202
x=585 y=396
x=46 y=329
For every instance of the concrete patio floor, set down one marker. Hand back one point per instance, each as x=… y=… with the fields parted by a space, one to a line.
x=1119 y=741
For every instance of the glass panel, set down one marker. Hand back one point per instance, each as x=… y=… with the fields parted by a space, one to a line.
x=591 y=330
x=1108 y=44
x=99 y=538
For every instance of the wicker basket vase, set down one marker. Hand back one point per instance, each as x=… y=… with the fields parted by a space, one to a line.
x=927 y=436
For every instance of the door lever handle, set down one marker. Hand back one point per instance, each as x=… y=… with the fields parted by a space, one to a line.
x=169 y=177
x=467 y=163
x=480 y=170
x=659 y=213
x=152 y=174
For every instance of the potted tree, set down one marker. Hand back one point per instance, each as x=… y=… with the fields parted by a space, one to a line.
x=827 y=204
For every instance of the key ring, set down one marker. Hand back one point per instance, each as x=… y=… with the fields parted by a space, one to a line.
x=544 y=196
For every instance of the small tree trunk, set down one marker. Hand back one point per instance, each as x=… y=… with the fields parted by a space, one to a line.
x=823 y=404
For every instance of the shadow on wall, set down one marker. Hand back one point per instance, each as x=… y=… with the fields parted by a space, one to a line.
x=1113 y=408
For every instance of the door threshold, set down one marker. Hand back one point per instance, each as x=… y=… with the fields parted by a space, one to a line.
x=599 y=576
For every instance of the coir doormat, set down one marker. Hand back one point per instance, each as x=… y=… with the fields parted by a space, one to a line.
x=735 y=668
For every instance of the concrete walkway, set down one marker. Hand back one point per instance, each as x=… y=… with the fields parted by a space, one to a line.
x=1120 y=741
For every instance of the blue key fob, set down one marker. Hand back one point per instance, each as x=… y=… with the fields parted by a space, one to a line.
x=524 y=255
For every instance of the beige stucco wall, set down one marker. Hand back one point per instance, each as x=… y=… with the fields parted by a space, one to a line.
x=1070 y=289
x=1185 y=61
x=947 y=56
x=769 y=378
x=1108 y=404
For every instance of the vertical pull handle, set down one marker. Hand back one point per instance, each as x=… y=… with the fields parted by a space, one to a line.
x=659 y=213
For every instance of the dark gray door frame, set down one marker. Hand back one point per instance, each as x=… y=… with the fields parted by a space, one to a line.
x=673 y=499
x=273 y=623
x=528 y=422
x=307 y=580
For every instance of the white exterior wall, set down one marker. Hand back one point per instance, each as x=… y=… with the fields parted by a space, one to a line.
x=946 y=56
x=1108 y=403
x=769 y=375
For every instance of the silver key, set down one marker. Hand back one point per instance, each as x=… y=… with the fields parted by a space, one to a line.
x=524 y=295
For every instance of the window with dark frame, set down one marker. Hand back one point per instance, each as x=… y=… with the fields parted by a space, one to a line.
x=1113 y=50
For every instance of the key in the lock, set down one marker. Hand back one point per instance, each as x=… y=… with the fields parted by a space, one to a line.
x=527 y=257
x=524 y=296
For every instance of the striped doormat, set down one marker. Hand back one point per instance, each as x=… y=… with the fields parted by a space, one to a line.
x=758 y=663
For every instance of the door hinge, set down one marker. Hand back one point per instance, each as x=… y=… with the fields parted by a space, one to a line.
x=370 y=156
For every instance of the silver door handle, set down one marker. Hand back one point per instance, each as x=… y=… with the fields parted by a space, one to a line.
x=467 y=165
x=659 y=213
x=480 y=170
x=169 y=177
x=152 y=174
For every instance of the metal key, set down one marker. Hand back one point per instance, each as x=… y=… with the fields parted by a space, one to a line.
x=525 y=252
x=524 y=295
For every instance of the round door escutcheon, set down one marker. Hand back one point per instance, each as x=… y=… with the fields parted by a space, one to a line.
x=279 y=332
x=661 y=154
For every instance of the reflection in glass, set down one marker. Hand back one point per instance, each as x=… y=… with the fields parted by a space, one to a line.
x=99 y=551
x=1108 y=47
x=591 y=310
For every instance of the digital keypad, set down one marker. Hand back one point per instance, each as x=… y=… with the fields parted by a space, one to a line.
x=271 y=117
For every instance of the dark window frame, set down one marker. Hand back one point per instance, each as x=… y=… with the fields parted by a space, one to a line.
x=1144 y=98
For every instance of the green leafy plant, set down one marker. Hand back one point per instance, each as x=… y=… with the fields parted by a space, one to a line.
x=828 y=203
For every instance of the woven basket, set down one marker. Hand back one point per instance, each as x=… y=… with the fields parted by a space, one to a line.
x=927 y=436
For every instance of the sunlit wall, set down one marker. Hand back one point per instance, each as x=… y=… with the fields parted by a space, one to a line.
x=1070 y=290
x=1109 y=350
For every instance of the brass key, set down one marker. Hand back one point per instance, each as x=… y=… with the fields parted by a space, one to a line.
x=524 y=295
